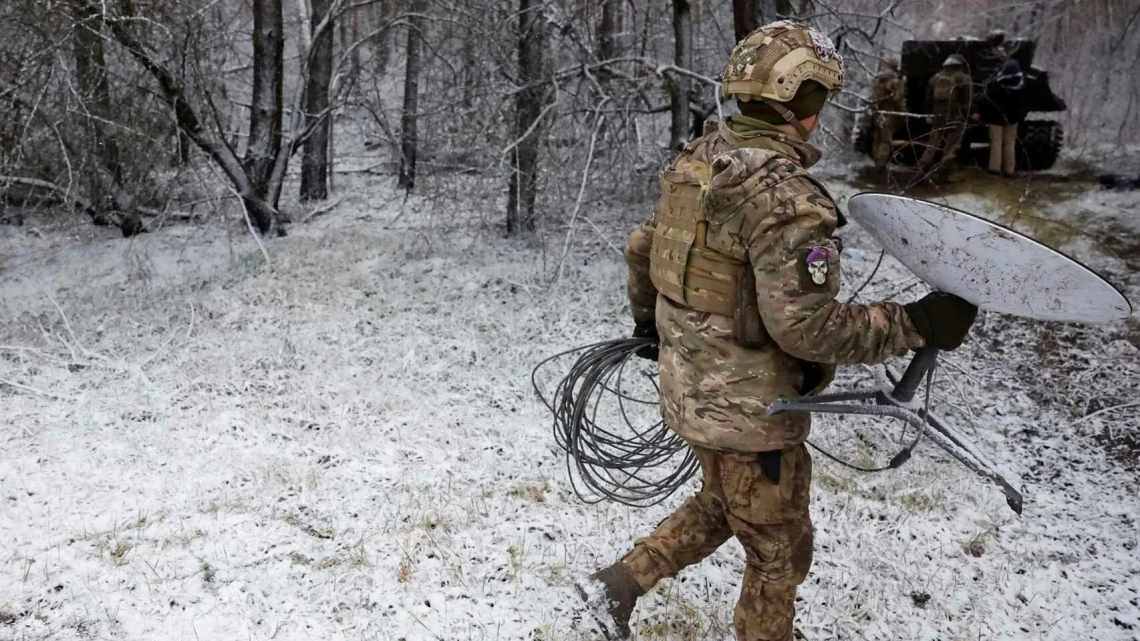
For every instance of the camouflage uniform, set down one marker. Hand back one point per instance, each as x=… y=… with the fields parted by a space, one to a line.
x=887 y=94
x=765 y=212
x=949 y=102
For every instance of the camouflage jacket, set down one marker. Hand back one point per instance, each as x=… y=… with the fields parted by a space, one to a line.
x=949 y=95
x=714 y=392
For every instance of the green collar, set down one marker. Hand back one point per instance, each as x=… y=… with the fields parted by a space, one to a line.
x=742 y=131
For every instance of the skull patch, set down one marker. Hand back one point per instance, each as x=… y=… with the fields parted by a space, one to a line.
x=816 y=261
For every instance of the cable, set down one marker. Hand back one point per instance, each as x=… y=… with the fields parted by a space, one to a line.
x=867 y=281
x=898 y=459
x=608 y=462
x=625 y=462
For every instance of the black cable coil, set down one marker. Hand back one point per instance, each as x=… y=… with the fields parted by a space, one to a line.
x=615 y=462
x=621 y=463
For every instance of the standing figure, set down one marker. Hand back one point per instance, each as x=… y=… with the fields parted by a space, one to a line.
x=887 y=94
x=948 y=100
x=1003 y=108
x=993 y=55
x=736 y=272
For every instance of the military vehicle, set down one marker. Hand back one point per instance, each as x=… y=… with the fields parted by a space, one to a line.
x=1039 y=141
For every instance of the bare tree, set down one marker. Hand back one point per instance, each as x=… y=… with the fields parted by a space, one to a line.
x=265 y=117
x=91 y=72
x=747 y=15
x=408 y=120
x=257 y=176
x=315 y=155
x=744 y=17
x=608 y=29
x=529 y=103
x=109 y=201
x=381 y=45
x=680 y=85
x=469 y=71
x=487 y=72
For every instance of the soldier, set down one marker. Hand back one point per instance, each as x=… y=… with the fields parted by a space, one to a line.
x=1003 y=108
x=993 y=55
x=950 y=94
x=887 y=94
x=737 y=272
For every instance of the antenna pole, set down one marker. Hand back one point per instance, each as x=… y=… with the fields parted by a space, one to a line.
x=923 y=361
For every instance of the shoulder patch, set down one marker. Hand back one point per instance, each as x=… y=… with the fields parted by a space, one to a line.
x=818 y=265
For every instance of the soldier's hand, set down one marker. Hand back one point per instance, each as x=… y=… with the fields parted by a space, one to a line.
x=647 y=329
x=942 y=319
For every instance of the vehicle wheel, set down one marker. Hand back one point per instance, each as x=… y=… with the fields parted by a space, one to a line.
x=1039 y=144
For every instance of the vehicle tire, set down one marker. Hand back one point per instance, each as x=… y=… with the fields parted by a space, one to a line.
x=1039 y=144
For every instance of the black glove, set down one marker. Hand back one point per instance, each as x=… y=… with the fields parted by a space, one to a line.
x=646 y=329
x=942 y=319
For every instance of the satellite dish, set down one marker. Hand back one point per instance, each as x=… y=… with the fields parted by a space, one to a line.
x=992 y=266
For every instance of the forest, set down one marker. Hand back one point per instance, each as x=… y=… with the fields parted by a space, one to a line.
x=275 y=276
x=133 y=113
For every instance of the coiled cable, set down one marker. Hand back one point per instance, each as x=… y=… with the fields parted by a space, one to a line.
x=625 y=462
x=635 y=465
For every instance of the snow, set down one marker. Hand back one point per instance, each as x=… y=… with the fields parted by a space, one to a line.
x=344 y=444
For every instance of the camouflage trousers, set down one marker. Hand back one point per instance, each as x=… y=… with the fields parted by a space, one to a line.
x=770 y=520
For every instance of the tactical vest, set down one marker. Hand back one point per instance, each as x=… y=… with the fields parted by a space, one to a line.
x=681 y=266
x=687 y=271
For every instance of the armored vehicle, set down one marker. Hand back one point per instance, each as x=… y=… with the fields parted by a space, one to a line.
x=1039 y=141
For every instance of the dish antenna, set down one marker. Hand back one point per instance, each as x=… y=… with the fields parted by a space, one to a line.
x=991 y=266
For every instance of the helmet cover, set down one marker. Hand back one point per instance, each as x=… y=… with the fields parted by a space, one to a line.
x=774 y=61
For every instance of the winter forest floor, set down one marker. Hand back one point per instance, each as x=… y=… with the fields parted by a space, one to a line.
x=345 y=444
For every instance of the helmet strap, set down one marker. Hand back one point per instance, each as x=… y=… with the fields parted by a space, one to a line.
x=789 y=116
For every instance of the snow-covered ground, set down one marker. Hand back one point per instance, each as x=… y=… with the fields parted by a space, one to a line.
x=344 y=444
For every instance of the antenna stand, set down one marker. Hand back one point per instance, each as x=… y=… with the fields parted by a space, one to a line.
x=895 y=403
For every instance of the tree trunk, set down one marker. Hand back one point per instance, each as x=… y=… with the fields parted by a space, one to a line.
x=382 y=44
x=212 y=141
x=349 y=34
x=680 y=84
x=94 y=91
x=608 y=29
x=744 y=17
x=747 y=15
x=265 y=114
x=528 y=109
x=107 y=179
x=470 y=70
x=408 y=135
x=315 y=157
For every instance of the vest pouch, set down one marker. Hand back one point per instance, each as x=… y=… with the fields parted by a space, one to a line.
x=677 y=216
x=711 y=279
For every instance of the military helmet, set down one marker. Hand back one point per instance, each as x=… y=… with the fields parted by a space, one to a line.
x=772 y=62
x=954 y=60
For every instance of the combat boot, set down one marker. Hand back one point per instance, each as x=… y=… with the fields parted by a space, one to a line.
x=610 y=594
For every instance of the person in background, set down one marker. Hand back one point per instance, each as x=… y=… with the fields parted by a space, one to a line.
x=950 y=93
x=993 y=55
x=1003 y=109
x=887 y=94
